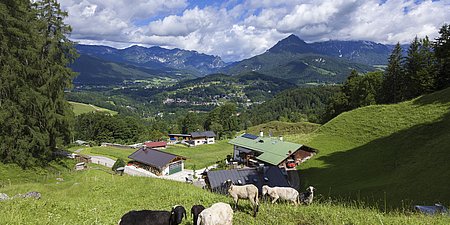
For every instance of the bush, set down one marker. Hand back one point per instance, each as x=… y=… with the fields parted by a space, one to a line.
x=119 y=163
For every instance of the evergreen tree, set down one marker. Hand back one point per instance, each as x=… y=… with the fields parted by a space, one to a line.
x=442 y=53
x=33 y=75
x=391 y=91
x=58 y=52
x=411 y=67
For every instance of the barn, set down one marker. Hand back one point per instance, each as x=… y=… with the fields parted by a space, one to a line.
x=156 y=161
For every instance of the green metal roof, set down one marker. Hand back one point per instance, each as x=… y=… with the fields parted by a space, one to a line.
x=273 y=150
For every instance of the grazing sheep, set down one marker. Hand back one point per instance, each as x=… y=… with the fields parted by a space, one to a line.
x=284 y=193
x=195 y=211
x=154 y=217
x=307 y=197
x=177 y=214
x=146 y=217
x=218 y=214
x=248 y=191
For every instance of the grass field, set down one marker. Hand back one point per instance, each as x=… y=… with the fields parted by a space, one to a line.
x=80 y=108
x=283 y=128
x=386 y=155
x=198 y=157
x=203 y=155
x=111 y=152
x=96 y=197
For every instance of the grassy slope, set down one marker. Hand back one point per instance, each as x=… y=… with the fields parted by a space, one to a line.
x=96 y=197
x=283 y=128
x=80 y=108
x=203 y=155
x=401 y=151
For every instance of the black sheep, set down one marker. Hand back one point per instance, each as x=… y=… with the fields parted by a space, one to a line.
x=146 y=217
x=177 y=214
x=195 y=211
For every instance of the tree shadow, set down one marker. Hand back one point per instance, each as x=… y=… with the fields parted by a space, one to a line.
x=408 y=167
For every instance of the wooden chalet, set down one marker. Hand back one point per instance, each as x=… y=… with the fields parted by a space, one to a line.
x=252 y=150
x=156 y=161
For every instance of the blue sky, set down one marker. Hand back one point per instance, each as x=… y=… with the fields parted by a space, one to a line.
x=239 y=29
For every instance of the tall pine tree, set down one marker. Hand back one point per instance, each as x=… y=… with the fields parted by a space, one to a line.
x=391 y=91
x=33 y=76
x=442 y=53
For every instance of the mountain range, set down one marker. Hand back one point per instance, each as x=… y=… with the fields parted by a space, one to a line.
x=291 y=59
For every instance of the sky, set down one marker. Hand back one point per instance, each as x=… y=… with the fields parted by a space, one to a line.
x=239 y=29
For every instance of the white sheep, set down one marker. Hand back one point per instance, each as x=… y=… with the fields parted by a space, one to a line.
x=218 y=214
x=307 y=197
x=283 y=193
x=248 y=191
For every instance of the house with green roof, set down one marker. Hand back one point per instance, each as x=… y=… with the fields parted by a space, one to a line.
x=252 y=150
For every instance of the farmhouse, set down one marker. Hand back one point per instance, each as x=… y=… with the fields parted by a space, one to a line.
x=258 y=176
x=156 y=161
x=194 y=138
x=251 y=150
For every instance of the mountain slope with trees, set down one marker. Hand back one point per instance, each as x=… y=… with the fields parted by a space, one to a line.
x=294 y=60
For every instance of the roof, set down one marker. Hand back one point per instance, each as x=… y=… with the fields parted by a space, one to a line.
x=180 y=135
x=155 y=144
x=203 y=134
x=274 y=177
x=153 y=157
x=273 y=150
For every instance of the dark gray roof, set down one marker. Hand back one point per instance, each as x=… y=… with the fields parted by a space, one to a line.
x=203 y=134
x=274 y=177
x=153 y=157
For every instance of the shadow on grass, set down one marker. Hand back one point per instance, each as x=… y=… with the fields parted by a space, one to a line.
x=411 y=166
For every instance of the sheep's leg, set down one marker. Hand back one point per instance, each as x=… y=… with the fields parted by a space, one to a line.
x=275 y=198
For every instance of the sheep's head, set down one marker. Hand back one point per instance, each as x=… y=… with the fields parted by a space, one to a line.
x=265 y=189
x=310 y=189
x=228 y=183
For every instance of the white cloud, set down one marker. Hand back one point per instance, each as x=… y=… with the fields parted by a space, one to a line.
x=240 y=29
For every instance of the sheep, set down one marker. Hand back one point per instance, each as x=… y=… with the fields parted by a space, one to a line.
x=177 y=214
x=146 y=217
x=284 y=193
x=218 y=214
x=248 y=191
x=154 y=217
x=307 y=197
x=195 y=211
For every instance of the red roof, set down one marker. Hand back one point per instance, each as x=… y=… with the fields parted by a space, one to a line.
x=157 y=144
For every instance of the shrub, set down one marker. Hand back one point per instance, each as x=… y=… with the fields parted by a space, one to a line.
x=119 y=163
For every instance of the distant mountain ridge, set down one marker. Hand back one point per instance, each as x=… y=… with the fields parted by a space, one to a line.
x=156 y=57
x=291 y=59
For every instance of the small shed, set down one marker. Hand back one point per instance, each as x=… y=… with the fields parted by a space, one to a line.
x=259 y=176
x=156 y=144
x=157 y=162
